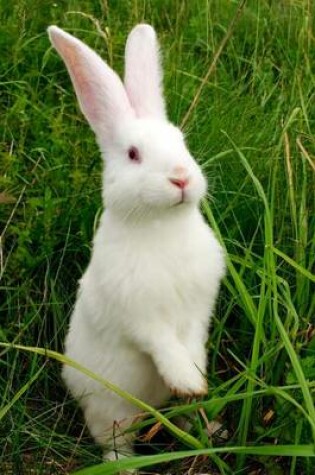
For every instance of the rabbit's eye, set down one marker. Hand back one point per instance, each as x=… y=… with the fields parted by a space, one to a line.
x=133 y=154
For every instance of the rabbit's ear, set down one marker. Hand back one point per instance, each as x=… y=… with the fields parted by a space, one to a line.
x=99 y=90
x=143 y=74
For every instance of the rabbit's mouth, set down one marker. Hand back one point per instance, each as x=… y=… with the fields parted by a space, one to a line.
x=182 y=199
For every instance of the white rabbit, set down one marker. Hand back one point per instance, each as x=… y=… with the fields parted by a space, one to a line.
x=144 y=304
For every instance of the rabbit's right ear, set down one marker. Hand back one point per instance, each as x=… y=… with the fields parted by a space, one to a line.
x=99 y=90
x=143 y=73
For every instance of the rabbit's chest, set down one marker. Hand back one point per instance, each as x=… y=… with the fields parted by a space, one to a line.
x=154 y=279
x=171 y=275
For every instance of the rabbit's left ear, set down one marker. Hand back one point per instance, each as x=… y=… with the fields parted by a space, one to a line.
x=143 y=74
x=100 y=92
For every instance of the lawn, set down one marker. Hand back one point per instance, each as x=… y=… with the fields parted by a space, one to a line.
x=240 y=79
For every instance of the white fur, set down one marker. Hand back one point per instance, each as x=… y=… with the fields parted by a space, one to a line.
x=142 y=313
x=143 y=75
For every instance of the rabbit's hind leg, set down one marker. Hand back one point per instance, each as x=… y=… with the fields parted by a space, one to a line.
x=107 y=420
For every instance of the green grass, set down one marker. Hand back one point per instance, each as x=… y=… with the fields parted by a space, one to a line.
x=252 y=130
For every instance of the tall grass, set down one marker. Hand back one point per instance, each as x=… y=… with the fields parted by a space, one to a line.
x=251 y=128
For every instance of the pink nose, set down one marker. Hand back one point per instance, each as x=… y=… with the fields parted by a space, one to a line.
x=179 y=182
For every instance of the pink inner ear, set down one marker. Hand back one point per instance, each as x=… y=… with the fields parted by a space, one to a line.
x=99 y=90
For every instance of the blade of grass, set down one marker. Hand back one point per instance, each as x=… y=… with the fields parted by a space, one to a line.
x=112 y=468
x=180 y=434
x=216 y=57
x=241 y=290
x=245 y=418
x=308 y=400
x=5 y=409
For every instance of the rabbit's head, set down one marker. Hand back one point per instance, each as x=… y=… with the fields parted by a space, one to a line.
x=148 y=166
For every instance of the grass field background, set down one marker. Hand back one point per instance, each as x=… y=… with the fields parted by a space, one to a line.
x=252 y=130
